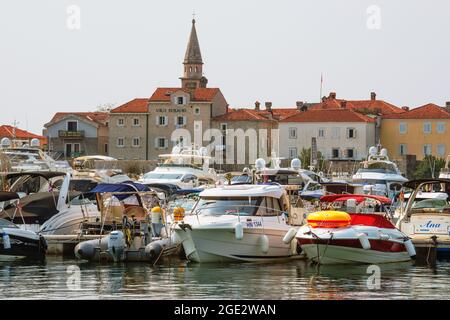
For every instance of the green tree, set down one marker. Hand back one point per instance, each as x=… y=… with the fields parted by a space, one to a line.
x=429 y=167
x=305 y=158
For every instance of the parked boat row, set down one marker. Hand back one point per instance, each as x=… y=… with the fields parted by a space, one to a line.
x=264 y=214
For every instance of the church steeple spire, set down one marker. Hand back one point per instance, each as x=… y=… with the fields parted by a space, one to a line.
x=193 y=63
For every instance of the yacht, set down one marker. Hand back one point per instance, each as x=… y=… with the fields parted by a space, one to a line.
x=426 y=219
x=239 y=223
x=30 y=158
x=378 y=174
x=185 y=167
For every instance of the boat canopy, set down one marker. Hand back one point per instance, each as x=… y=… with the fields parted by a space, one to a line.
x=357 y=197
x=35 y=208
x=120 y=187
x=244 y=190
x=33 y=174
x=7 y=196
x=413 y=184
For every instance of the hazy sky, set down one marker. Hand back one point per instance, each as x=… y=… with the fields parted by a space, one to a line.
x=252 y=49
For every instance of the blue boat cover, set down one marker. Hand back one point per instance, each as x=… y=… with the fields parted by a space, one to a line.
x=120 y=187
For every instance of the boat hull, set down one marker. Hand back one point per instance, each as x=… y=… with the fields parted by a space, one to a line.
x=221 y=245
x=336 y=254
x=22 y=246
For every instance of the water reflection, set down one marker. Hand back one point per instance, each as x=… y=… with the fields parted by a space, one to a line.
x=178 y=279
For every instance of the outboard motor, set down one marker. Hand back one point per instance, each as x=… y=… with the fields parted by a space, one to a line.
x=116 y=245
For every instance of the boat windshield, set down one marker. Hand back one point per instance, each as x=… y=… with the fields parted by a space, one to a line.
x=7 y=224
x=168 y=176
x=431 y=204
x=228 y=206
x=379 y=167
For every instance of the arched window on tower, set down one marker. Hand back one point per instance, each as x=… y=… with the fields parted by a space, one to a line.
x=196 y=69
x=190 y=69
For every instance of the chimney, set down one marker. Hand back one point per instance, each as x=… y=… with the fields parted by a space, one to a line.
x=447 y=106
x=257 y=104
x=299 y=105
x=343 y=104
x=405 y=108
x=373 y=96
x=268 y=106
x=332 y=95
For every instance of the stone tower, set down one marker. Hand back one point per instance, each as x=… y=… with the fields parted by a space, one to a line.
x=193 y=64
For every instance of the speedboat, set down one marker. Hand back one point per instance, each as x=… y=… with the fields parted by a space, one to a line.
x=185 y=167
x=239 y=223
x=427 y=219
x=353 y=229
x=16 y=243
x=378 y=174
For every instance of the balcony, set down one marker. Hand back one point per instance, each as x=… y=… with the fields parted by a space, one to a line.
x=71 y=134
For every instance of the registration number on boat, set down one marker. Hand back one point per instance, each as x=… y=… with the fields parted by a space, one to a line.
x=254 y=224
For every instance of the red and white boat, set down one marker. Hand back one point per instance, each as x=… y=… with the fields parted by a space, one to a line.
x=353 y=229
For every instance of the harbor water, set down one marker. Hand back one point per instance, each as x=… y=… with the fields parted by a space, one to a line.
x=59 y=278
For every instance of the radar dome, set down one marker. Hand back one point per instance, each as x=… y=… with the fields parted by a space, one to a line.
x=373 y=150
x=5 y=142
x=35 y=142
x=384 y=152
x=260 y=163
x=296 y=163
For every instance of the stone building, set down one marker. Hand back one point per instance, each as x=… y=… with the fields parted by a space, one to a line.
x=144 y=128
x=74 y=134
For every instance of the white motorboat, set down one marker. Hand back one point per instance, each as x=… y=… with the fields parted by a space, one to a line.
x=239 y=223
x=185 y=167
x=378 y=174
x=363 y=235
x=16 y=243
x=31 y=158
x=427 y=219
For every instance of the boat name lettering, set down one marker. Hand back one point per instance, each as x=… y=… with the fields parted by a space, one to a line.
x=254 y=224
x=430 y=224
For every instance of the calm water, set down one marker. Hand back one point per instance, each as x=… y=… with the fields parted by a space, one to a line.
x=177 y=279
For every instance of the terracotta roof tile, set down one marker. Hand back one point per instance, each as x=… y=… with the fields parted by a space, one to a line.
x=138 y=105
x=7 y=131
x=428 y=111
x=363 y=106
x=328 y=115
x=200 y=94
x=97 y=117
x=244 y=115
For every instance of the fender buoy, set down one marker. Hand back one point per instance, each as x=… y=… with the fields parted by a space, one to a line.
x=410 y=248
x=289 y=235
x=238 y=231
x=264 y=243
x=364 y=240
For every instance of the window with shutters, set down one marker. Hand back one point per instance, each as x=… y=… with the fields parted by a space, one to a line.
x=120 y=122
x=351 y=133
x=136 y=122
x=136 y=142
x=120 y=142
x=161 y=120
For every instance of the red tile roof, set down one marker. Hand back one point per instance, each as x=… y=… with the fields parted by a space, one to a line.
x=138 y=105
x=7 y=131
x=97 y=117
x=200 y=94
x=328 y=115
x=428 y=111
x=363 y=106
x=256 y=115
x=244 y=115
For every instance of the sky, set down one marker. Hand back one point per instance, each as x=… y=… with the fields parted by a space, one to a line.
x=261 y=50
